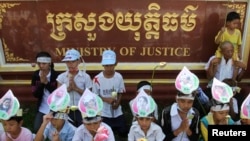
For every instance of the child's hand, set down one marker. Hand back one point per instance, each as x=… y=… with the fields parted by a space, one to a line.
x=184 y=124
x=223 y=121
x=47 y=118
x=239 y=55
x=43 y=78
x=109 y=100
x=55 y=136
x=240 y=65
x=223 y=29
x=115 y=104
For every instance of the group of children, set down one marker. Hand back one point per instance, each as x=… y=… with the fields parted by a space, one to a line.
x=90 y=110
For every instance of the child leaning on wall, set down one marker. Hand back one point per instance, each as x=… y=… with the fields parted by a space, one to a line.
x=231 y=33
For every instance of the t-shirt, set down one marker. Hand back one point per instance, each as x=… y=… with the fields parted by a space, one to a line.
x=104 y=87
x=82 y=134
x=154 y=133
x=66 y=133
x=82 y=80
x=25 y=135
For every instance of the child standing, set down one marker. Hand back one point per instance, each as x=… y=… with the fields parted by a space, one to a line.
x=219 y=111
x=92 y=129
x=144 y=128
x=146 y=86
x=230 y=33
x=109 y=85
x=76 y=80
x=43 y=84
x=180 y=120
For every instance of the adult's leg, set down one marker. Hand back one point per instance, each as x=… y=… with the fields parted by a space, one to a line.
x=38 y=121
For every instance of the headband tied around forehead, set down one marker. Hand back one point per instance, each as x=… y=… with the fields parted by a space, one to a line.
x=145 y=87
x=186 y=82
x=44 y=59
x=143 y=105
x=221 y=92
x=245 y=108
x=185 y=96
x=220 y=107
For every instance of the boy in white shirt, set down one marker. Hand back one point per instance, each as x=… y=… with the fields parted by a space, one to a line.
x=76 y=80
x=146 y=86
x=109 y=85
x=92 y=129
x=144 y=128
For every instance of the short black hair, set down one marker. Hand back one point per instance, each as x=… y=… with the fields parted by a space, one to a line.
x=142 y=83
x=230 y=82
x=18 y=119
x=232 y=16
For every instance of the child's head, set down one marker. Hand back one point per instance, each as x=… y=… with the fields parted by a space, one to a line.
x=44 y=61
x=13 y=125
x=220 y=111
x=144 y=85
x=144 y=106
x=145 y=122
x=58 y=119
x=109 y=61
x=91 y=115
x=232 y=20
x=185 y=101
x=72 y=59
x=92 y=123
x=187 y=84
x=245 y=121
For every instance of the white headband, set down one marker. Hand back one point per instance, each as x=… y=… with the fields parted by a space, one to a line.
x=220 y=107
x=43 y=59
x=187 y=96
x=145 y=87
